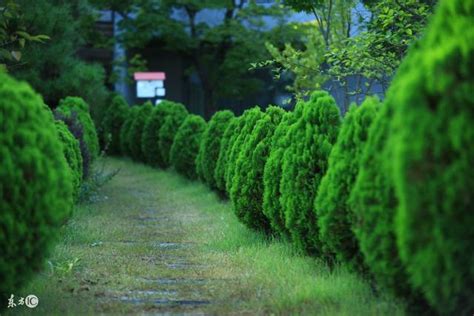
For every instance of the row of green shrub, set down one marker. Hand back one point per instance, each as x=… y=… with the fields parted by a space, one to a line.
x=44 y=157
x=385 y=190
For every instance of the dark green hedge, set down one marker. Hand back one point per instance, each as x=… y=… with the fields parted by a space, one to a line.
x=114 y=118
x=168 y=130
x=333 y=213
x=153 y=124
x=35 y=184
x=304 y=164
x=433 y=143
x=271 y=205
x=71 y=105
x=246 y=126
x=209 y=149
x=226 y=143
x=72 y=153
x=185 y=146
x=247 y=187
x=136 y=131
x=125 y=146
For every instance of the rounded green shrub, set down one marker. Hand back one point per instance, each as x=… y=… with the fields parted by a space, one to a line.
x=304 y=164
x=72 y=153
x=206 y=160
x=114 y=118
x=247 y=124
x=434 y=160
x=168 y=131
x=247 y=186
x=333 y=212
x=136 y=131
x=125 y=146
x=35 y=184
x=151 y=130
x=185 y=147
x=77 y=105
x=271 y=206
x=226 y=143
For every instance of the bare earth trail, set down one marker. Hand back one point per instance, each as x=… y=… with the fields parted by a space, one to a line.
x=154 y=243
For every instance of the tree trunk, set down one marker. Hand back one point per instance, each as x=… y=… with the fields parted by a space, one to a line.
x=210 y=106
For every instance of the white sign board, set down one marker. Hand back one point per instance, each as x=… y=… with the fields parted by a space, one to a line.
x=150 y=88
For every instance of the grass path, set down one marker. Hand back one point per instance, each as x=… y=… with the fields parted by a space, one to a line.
x=154 y=243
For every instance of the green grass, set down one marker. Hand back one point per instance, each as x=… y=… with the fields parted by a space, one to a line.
x=111 y=249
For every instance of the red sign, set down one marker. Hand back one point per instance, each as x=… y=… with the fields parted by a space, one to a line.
x=149 y=76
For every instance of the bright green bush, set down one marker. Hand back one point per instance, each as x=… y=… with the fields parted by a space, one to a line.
x=247 y=186
x=434 y=160
x=206 y=160
x=333 y=213
x=304 y=163
x=151 y=130
x=226 y=143
x=125 y=147
x=168 y=131
x=246 y=126
x=72 y=153
x=114 y=118
x=71 y=105
x=136 y=131
x=35 y=184
x=185 y=146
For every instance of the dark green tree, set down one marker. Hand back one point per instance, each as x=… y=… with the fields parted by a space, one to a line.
x=226 y=145
x=125 y=131
x=168 y=131
x=247 y=185
x=185 y=146
x=35 y=184
x=206 y=160
x=114 y=118
x=333 y=212
x=304 y=164
x=136 y=131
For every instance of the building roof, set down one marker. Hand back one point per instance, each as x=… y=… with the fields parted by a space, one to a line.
x=149 y=76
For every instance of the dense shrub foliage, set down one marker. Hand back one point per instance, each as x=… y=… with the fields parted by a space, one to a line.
x=71 y=105
x=35 y=184
x=433 y=143
x=150 y=146
x=125 y=131
x=247 y=124
x=226 y=143
x=247 y=184
x=304 y=163
x=333 y=213
x=136 y=131
x=185 y=146
x=271 y=206
x=72 y=153
x=168 y=131
x=206 y=160
x=114 y=118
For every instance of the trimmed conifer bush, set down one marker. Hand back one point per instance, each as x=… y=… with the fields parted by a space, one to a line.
x=168 y=131
x=333 y=213
x=136 y=131
x=304 y=164
x=271 y=206
x=185 y=146
x=247 y=186
x=77 y=105
x=246 y=126
x=206 y=160
x=150 y=146
x=35 y=184
x=226 y=143
x=433 y=156
x=72 y=153
x=125 y=131
x=114 y=118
